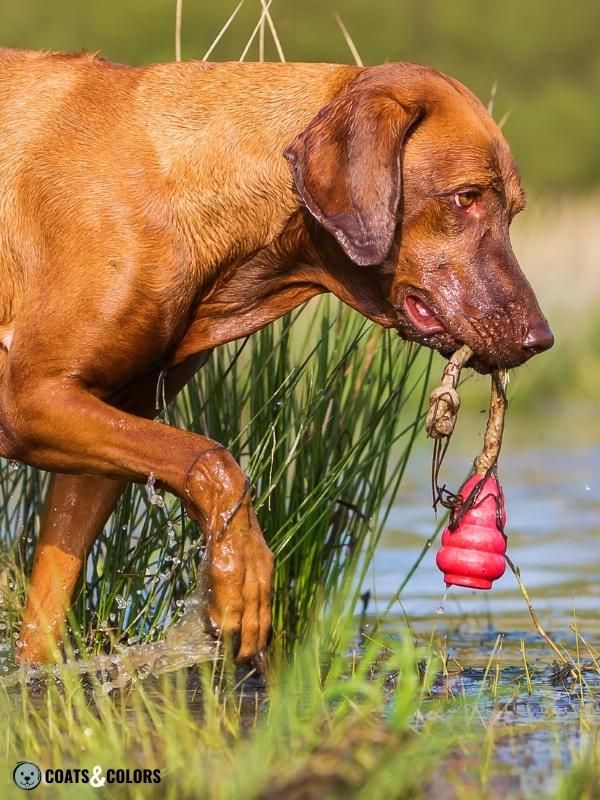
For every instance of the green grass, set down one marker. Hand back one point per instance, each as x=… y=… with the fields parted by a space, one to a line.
x=326 y=725
x=315 y=427
x=381 y=718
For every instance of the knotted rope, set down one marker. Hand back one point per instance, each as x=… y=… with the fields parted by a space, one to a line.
x=444 y=401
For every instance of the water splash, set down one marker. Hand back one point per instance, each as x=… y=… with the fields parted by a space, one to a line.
x=154 y=498
x=186 y=644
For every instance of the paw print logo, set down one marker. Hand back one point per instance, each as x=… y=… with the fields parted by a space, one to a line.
x=27 y=775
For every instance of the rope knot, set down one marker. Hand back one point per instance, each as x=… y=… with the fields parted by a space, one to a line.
x=444 y=403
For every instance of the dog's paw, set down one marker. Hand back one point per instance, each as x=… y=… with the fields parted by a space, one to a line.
x=239 y=578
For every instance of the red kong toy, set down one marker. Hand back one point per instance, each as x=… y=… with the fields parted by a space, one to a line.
x=472 y=552
x=473 y=544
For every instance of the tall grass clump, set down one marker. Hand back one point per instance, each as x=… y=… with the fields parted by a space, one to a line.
x=314 y=407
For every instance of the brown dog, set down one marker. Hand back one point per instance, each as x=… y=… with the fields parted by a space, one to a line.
x=149 y=215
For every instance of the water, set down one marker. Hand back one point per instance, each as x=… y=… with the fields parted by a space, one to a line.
x=186 y=644
x=537 y=724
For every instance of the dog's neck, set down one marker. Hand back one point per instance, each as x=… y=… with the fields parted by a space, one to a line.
x=219 y=134
x=304 y=261
x=254 y=252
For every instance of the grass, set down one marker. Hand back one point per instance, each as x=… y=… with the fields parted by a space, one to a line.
x=315 y=428
x=380 y=718
x=346 y=714
x=315 y=717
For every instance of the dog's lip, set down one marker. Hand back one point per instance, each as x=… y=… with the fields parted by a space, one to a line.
x=421 y=316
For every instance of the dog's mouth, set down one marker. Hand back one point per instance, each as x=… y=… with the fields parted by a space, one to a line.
x=420 y=322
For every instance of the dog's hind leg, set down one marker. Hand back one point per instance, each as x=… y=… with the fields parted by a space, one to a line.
x=76 y=509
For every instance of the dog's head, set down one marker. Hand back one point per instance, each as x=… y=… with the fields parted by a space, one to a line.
x=415 y=183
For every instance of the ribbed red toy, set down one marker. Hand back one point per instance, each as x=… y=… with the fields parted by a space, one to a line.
x=472 y=554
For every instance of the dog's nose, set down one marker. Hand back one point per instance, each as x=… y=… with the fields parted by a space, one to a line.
x=538 y=337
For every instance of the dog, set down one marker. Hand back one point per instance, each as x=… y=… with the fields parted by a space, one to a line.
x=149 y=215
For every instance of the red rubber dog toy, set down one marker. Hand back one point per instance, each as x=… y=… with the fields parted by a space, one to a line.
x=472 y=552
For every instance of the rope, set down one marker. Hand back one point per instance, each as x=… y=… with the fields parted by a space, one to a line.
x=444 y=403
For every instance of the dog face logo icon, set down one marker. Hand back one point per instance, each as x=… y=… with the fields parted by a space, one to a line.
x=27 y=775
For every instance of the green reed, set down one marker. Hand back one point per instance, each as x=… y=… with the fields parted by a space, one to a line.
x=321 y=409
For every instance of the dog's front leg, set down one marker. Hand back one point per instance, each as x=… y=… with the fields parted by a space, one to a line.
x=77 y=507
x=76 y=510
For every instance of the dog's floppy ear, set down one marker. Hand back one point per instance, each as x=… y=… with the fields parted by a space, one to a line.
x=347 y=169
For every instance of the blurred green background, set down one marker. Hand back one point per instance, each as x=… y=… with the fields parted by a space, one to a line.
x=543 y=54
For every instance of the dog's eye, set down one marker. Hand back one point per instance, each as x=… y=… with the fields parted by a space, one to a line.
x=465 y=199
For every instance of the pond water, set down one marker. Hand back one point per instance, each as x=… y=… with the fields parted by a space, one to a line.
x=551 y=481
x=552 y=492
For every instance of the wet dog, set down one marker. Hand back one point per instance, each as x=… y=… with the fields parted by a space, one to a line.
x=148 y=215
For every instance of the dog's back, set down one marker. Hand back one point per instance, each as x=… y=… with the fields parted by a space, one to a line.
x=91 y=150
